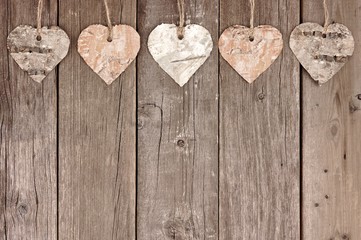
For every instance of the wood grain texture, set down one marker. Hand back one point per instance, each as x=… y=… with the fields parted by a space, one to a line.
x=177 y=135
x=28 y=136
x=4 y=114
x=97 y=130
x=331 y=139
x=259 y=136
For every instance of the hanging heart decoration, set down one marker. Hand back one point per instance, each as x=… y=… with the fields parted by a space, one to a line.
x=180 y=50
x=109 y=58
x=251 y=51
x=108 y=51
x=180 y=58
x=250 y=56
x=38 y=56
x=38 y=50
x=322 y=53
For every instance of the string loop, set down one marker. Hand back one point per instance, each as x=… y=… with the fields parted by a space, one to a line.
x=180 y=30
x=252 y=14
x=40 y=11
x=327 y=15
x=109 y=22
x=251 y=21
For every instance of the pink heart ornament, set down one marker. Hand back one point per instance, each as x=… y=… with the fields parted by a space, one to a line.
x=109 y=59
x=250 y=57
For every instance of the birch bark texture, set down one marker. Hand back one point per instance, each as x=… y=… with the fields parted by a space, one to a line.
x=109 y=57
x=180 y=58
x=322 y=52
x=38 y=56
x=250 y=51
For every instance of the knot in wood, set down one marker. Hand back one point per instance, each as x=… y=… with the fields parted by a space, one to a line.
x=345 y=237
x=23 y=209
x=261 y=96
x=179 y=229
x=181 y=143
x=140 y=124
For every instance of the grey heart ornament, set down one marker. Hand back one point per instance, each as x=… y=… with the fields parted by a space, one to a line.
x=38 y=57
x=322 y=53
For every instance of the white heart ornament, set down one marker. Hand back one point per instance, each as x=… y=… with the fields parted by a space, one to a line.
x=250 y=51
x=180 y=58
x=109 y=58
x=38 y=57
x=321 y=53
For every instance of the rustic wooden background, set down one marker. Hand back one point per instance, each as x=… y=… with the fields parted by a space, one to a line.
x=144 y=159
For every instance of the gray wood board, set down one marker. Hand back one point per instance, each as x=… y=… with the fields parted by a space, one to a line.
x=259 y=135
x=177 y=135
x=258 y=168
x=97 y=130
x=28 y=154
x=331 y=138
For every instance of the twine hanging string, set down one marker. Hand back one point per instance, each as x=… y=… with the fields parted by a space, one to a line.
x=252 y=14
x=251 y=22
x=327 y=15
x=110 y=26
x=40 y=10
x=180 y=30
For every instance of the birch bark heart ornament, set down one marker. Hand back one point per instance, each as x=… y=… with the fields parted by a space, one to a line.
x=180 y=51
x=108 y=58
x=38 y=50
x=180 y=58
x=322 y=51
x=251 y=51
x=250 y=57
x=108 y=51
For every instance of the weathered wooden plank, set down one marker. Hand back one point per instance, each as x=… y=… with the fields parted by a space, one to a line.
x=331 y=138
x=4 y=114
x=28 y=136
x=177 y=135
x=259 y=135
x=96 y=135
